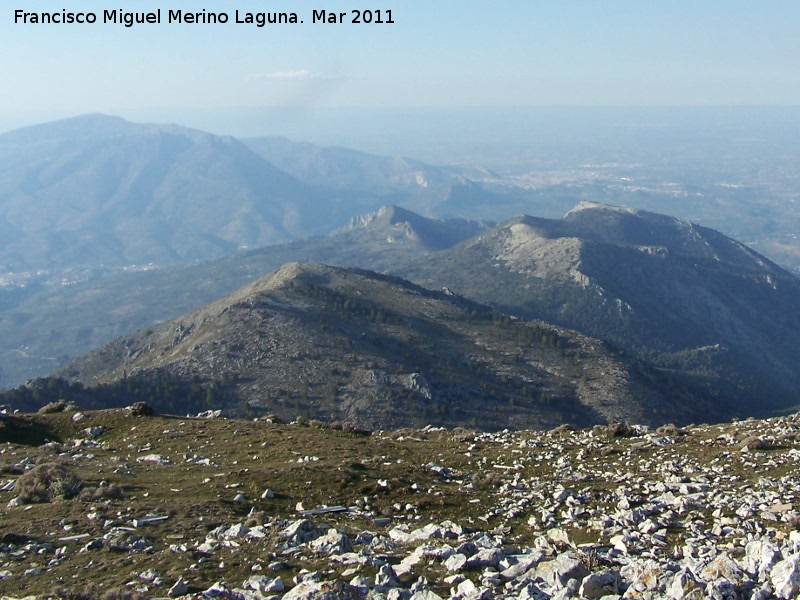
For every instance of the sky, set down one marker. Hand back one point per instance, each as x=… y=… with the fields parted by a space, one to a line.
x=439 y=54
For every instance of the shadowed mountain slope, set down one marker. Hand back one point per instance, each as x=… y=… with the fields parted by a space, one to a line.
x=684 y=298
x=349 y=345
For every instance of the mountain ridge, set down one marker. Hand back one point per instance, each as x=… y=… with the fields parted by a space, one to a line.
x=660 y=287
x=107 y=306
x=341 y=344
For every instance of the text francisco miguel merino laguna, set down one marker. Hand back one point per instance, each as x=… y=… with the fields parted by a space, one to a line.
x=204 y=17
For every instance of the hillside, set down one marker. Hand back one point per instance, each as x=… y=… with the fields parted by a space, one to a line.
x=353 y=346
x=43 y=326
x=678 y=295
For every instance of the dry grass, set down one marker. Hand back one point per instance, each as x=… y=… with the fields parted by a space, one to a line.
x=46 y=482
x=91 y=592
x=387 y=470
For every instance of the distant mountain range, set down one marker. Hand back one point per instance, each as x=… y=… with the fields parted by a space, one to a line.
x=375 y=351
x=353 y=171
x=98 y=191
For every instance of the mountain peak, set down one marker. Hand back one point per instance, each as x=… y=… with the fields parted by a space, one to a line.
x=81 y=126
x=590 y=205
x=643 y=230
x=111 y=188
x=385 y=216
x=393 y=225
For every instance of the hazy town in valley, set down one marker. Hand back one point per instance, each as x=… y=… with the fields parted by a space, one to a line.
x=459 y=301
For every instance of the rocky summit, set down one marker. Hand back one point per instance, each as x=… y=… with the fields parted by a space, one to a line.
x=123 y=504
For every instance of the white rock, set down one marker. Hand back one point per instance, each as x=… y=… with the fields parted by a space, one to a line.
x=300 y=532
x=485 y=558
x=323 y=590
x=760 y=556
x=431 y=530
x=721 y=590
x=785 y=577
x=333 y=542
x=235 y=532
x=597 y=585
x=525 y=564
x=156 y=458
x=94 y=432
x=149 y=575
x=558 y=572
x=558 y=536
x=179 y=588
x=764 y=593
x=722 y=567
x=386 y=577
x=264 y=584
x=207 y=547
x=466 y=588
x=684 y=585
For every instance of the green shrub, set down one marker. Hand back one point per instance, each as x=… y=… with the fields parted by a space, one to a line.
x=753 y=443
x=613 y=430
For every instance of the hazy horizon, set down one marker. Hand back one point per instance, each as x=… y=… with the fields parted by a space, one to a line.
x=492 y=136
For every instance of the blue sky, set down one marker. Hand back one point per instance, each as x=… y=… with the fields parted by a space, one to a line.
x=439 y=53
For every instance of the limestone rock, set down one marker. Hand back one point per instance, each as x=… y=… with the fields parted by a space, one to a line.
x=597 y=585
x=179 y=588
x=332 y=543
x=300 y=532
x=785 y=577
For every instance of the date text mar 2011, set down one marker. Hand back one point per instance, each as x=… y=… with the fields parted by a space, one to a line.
x=353 y=16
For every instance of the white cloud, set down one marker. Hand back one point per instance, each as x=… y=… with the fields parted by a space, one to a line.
x=299 y=75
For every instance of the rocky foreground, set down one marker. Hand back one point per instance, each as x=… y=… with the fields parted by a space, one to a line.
x=152 y=507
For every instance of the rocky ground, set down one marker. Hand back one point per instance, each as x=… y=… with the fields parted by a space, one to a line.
x=110 y=505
